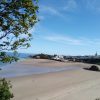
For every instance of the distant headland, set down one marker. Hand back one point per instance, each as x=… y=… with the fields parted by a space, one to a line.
x=93 y=59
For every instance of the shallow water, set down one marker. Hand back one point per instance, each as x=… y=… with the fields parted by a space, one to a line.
x=14 y=70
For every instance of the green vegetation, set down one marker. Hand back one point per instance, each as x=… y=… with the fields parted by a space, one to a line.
x=7 y=58
x=17 y=17
x=5 y=93
x=42 y=56
x=97 y=99
x=92 y=61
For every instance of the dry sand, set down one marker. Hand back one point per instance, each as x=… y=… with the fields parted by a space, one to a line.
x=77 y=84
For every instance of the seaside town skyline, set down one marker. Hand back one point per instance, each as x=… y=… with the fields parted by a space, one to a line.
x=70 y=27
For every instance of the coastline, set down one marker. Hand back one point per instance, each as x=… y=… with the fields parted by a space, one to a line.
x=77 y=84
x=37 y=66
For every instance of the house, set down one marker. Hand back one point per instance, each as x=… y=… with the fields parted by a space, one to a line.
x=58 y=58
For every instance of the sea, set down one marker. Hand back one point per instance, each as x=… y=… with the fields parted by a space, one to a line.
x=15 y=69
x=21 y=56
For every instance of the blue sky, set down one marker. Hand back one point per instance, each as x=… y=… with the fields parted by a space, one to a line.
x=68 y=27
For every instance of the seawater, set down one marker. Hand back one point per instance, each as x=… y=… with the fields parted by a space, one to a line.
x=15 y=70
x=21 y=56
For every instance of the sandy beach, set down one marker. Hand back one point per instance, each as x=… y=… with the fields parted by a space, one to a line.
x=78 y=84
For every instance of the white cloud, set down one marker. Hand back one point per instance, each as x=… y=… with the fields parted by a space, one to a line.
x=50 y=10
x=93 y=5
x=70 y=5
x=69 y=40
x=90 y=41
x=63 y=39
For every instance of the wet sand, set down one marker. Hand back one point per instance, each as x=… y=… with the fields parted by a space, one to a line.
x=77 y=84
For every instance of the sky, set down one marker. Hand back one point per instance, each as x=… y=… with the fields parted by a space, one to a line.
x=67 y=27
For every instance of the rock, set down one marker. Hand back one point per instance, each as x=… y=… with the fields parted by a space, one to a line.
x=95 y=68
x=0 y=69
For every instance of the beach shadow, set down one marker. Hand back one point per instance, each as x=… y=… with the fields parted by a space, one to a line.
x=90 y=70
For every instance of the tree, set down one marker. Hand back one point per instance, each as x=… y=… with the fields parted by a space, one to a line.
x=5 y=93
x=17 y=17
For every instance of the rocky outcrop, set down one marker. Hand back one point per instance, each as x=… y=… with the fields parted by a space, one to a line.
x=94 y=68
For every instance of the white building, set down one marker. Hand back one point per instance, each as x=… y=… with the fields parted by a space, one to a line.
x=58 y=57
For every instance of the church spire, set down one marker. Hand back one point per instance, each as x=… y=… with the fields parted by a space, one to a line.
x=96 y=54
